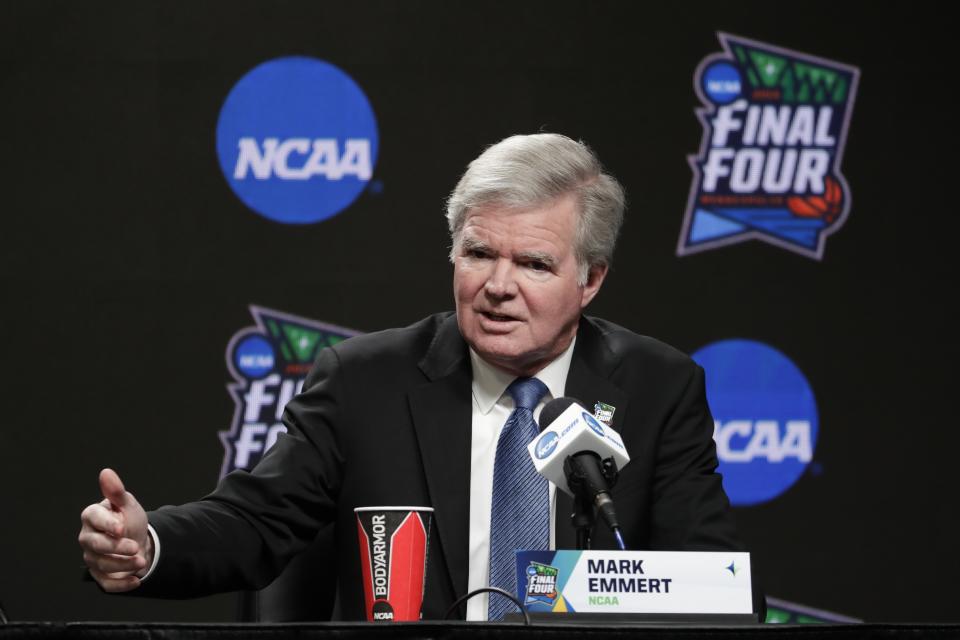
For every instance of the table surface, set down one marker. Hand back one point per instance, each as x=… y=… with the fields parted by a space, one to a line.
x=444 y=630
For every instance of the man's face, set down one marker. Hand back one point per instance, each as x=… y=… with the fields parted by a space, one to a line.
x=515 y=284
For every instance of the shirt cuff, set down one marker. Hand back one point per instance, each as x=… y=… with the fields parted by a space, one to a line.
x=156 y=551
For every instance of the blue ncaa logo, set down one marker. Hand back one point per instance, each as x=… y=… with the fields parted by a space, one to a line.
x=254 y=357
x=297 y=140
x=765 y=418
x=721 y=82
x=592 y=423
x=546 y=444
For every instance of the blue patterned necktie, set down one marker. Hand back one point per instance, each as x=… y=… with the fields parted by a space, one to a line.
x=520 y=515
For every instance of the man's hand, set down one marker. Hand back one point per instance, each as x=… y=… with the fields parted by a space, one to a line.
x=113 y=535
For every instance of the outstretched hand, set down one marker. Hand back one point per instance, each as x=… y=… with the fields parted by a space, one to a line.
x=116 y=545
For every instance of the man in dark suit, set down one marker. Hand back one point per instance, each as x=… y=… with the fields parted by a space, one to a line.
x=419 y=416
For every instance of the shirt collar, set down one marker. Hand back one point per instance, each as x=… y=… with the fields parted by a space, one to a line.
x=489 y=383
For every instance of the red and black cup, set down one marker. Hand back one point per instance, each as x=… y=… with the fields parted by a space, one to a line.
x=393 y=558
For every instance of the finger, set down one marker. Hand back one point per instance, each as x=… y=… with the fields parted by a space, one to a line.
x=112 y=488
x=100 y=518
x=114 y=564
x=115 y=584
x=100 y=543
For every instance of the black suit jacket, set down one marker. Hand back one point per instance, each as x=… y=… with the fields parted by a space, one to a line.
x=385 y=419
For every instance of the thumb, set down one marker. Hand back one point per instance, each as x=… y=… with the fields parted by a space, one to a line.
x=112 y=488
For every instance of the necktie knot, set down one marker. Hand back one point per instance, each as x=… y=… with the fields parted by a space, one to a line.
x=527 y=392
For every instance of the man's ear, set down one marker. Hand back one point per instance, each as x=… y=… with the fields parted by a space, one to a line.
x=595 y=277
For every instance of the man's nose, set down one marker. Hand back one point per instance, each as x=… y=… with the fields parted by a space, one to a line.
x=502 y=282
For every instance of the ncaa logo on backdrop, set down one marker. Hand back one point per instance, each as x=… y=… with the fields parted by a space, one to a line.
x=774 y=129
x=765 y=418
x=268 y=362
x=297 y=140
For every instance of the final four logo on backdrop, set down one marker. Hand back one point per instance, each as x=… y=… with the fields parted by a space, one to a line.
x=269 y=363
x=774 y=128
x=297 y=140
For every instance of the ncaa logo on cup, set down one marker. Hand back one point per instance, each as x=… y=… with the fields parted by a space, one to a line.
x=546 y=444
x=765 y=418
x=297 y=140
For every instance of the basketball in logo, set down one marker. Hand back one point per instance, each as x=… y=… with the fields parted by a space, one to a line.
x=828 y=206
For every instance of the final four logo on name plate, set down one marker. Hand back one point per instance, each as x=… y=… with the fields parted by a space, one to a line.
x=541 y=584
x=774 y=129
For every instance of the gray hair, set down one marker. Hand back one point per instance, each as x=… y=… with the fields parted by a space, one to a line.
x=524 y=171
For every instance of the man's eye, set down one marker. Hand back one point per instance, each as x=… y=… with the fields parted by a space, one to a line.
x=479 y=254
x=539 y=266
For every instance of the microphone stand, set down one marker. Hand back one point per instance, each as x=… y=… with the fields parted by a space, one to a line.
x=584 y=514
x=583 y=519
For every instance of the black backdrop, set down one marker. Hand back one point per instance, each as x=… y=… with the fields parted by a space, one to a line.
x=127 y=263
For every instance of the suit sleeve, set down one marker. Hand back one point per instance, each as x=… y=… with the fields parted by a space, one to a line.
x=243 y=534
x=691 y=512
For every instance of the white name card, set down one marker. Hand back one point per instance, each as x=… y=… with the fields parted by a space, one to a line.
x=635 y=581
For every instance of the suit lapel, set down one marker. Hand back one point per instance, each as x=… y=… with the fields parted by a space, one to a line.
x=588 y=382
x=441 y=410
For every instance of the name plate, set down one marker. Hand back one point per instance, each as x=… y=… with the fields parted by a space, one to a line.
x=635 y=581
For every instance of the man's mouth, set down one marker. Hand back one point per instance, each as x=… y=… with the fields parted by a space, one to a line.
x=497 y=317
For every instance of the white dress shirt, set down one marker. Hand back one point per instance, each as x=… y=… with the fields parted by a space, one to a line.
x=491 y=408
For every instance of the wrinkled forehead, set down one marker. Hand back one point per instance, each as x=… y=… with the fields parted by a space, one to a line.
x=548 y=228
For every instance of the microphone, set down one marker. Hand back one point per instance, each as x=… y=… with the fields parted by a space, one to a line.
x=574 y=451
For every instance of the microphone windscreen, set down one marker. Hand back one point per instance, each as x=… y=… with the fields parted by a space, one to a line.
x=553 y=409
